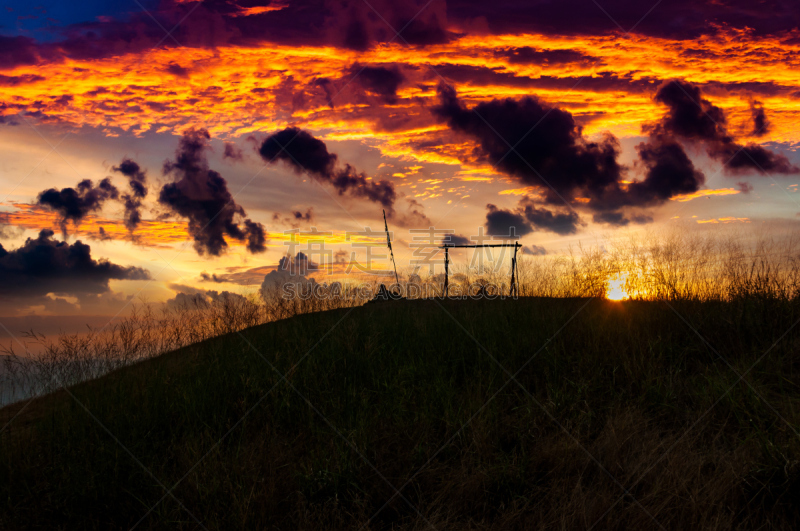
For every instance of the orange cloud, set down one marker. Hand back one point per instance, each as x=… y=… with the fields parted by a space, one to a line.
x=729 y=219
x=158 y=233
x=238 y=90
x=527 y=190
x=704 y=193
x=151 y=233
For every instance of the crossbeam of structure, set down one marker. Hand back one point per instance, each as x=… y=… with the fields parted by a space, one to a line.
x=450 y=245
x=447 y=246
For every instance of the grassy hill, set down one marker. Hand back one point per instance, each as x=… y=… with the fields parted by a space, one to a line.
x=406 y=416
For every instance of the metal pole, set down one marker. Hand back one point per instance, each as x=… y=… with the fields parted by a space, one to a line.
x=446 y=271
x=513 y=290
x=389 y=243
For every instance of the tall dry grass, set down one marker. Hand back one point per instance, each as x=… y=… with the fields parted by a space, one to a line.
x=671 y=266
x=35 y=364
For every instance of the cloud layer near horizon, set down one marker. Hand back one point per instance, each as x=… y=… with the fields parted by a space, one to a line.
x=45 y=265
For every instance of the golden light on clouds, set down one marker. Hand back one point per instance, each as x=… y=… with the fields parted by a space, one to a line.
x=236 y=91
x=527 y=190
x=149 y=233
x=165 y=233
x=704 y=193
x=726 y=219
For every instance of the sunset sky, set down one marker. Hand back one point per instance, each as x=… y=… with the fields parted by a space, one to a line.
x=179 y=140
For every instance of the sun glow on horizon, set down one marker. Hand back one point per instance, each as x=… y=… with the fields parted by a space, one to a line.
x=615 y=288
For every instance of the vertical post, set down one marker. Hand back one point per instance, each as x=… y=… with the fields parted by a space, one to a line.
x=513 y=290
x=389 y=243
x=446 y=271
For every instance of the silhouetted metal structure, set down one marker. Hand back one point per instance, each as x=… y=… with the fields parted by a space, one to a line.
x=389 y=243
x=447 y=246
x=384 y=294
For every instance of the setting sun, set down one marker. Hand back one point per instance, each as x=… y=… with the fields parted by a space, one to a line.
x=615 y=291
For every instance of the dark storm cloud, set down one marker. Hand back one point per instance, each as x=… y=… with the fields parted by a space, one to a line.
x=300 y=150
x=557 y=156
x=689 y=116
x=752 y=157
x=308 y=22
x=210 y=24
x=611 y=218
x=214 y=23
x=562 y=162
x=455 y=239
x=562 y=223
x=137 y=181
x=670 y=172
x=191 y=25
x=359 y=26
x=201 y=195
x=255 y=235
x=556 y=153
x=420 y=31
x=501 y=222
x=104 y=38
x=379 y=80
x=305 y=153
x=74 y=204
x=526 y=218
x=44 y=265
x=17 y=51
x=681 y=19
x=761 y=124
x=356 y=36
x=695 y=119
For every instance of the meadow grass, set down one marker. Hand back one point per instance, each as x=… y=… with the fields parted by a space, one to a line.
x=678 y=409
x=606 y=396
